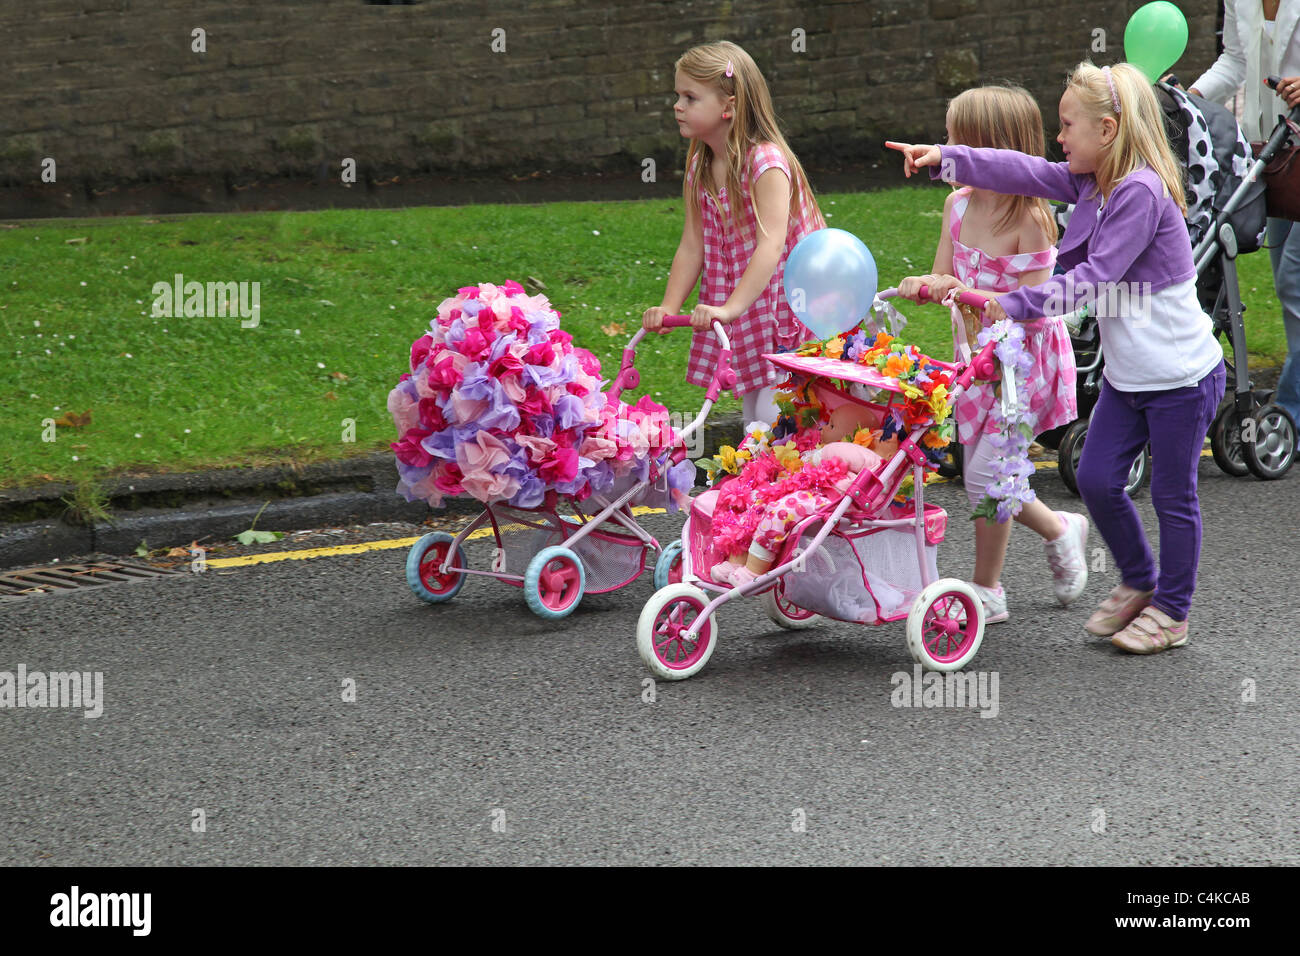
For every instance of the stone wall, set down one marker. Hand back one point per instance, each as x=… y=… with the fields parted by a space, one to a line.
x=114 y=92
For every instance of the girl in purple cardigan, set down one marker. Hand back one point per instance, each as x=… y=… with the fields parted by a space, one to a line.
x=1129 y=259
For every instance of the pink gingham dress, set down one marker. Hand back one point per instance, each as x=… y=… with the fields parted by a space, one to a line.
x=1050 y=382
x=768 y=325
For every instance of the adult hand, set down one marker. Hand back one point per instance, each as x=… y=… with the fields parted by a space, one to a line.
x=703 y=316
x=1289 y=90
x=914 y=157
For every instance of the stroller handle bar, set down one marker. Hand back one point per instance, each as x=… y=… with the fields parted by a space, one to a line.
x=1286 y=126
x=724 y=377
x=981 y=365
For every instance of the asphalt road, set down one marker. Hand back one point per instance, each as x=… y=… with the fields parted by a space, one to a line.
x=481 y=734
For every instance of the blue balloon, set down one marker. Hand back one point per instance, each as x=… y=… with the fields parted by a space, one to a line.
x=830 y=281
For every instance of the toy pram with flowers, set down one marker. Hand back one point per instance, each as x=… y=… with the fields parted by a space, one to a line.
x=500 y=407
x=866 y=559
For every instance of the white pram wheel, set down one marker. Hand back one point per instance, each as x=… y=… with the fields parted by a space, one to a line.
x=659 y=639
x=946 y=625
x=783 y=613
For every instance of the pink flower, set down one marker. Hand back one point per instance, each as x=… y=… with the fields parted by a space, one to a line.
x=431 y=415
x=505 y=366
x=560 y=467
x=535 y=402
x=474 y=345
x=446 y=478
x=420 y=349
x=469 y=292
x=597 y=448
x=561 y=337
x=538 y=448
x=590 y=364
x=511 y=287
x=446 y=373
x=541 y=354
x=409 y=450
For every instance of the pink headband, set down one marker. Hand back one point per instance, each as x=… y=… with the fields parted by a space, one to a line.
x=1114 y=97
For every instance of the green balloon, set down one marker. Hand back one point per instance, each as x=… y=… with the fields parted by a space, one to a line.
x=1155 y=38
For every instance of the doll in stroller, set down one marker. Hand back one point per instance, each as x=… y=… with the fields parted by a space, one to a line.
x=858 y=554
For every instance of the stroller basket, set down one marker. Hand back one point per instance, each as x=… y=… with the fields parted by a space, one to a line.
x=611 y=559
x=884 y=559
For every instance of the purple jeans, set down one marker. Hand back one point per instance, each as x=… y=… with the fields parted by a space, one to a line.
x=1174 y=422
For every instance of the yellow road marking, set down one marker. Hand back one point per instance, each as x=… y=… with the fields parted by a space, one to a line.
x=364 y=546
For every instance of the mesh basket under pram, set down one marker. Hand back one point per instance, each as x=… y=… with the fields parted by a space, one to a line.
x=832 y=581
x=610 y=559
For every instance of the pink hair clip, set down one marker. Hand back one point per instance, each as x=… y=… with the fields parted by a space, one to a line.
x=730 y=69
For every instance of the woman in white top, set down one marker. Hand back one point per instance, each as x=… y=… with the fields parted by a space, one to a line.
x=1261 y=38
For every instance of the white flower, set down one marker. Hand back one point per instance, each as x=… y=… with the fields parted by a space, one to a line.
x=187 y=431
x=320 y=364
x=36 y=322
x=137 y=434
x=595 y=232
x=83 y=283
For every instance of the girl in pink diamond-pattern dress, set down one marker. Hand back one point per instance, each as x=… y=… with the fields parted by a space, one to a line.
x=996 y=244
x=747 y=204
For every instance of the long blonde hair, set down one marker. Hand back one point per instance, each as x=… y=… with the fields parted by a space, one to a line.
x=1141 y=139
x=753 y=122
x=1003 y=117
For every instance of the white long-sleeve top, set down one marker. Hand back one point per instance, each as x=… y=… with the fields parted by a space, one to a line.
x=1250 y=55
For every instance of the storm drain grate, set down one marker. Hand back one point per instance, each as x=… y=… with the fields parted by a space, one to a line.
x=58 y=579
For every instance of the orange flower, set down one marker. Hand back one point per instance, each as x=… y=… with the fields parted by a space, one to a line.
x=932 y=439
x=896 y=365
x=834 y=348
x=883 y=339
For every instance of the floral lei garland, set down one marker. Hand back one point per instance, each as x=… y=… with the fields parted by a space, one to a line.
x=1009 y=490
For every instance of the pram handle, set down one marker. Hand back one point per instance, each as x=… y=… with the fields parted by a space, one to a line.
x=968 y=297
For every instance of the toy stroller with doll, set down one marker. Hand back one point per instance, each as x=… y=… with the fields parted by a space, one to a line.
x=500 y=407
x=867 y=558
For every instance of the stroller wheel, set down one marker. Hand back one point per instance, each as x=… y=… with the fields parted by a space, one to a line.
x=422 y=563
x=1139 y=473
x=1225 y=442
x=782 y=612
x=1272 y=452
x=1070 y=451
x=553 y=583
x=660 y=632
x=945 y=626
x=668 y=569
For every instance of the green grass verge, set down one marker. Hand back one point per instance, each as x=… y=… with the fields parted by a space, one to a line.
x=343 y=293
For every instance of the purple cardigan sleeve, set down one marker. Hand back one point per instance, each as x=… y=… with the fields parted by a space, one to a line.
x=1133 y=215
x=1008 y=171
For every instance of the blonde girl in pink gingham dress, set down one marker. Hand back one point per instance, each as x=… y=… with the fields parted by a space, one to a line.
x=747 y=204
x=1051 y=380
x=1008 y=118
